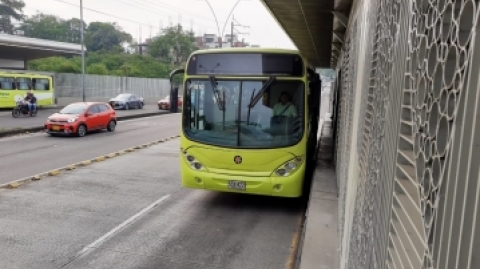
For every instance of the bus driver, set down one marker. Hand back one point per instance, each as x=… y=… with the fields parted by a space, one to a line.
x=284 y=107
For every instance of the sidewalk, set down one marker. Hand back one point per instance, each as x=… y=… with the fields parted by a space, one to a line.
x=25 y=123
x=320 y=242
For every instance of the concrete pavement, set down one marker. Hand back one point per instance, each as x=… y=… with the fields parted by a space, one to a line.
x=31 y=154
x=7 y=122
x=321 y=240
x=131 y=212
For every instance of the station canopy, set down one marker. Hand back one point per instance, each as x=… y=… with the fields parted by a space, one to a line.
x=14 y=47
x=316 y=27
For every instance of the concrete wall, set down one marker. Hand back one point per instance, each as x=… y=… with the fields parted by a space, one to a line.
x=68 y=88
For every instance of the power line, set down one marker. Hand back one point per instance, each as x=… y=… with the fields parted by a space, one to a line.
x=162 y=4
x=103 y=13
x=152 y=10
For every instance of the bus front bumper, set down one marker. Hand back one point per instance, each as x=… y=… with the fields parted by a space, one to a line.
x=287 y=186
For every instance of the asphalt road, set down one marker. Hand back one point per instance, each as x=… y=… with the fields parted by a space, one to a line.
x=7 y=122
x=28 y=155
x=131 y=212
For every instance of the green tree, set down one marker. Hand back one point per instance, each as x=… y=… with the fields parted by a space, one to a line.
x=174 y=46
x=106 y=37
x=51 y=27
x=97 y=69
x=55 y=64
x=10 y=9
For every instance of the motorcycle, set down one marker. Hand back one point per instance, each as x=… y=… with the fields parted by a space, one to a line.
x=22 y=109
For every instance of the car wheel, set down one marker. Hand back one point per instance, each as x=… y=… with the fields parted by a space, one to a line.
x=127 y=107
x=111 y=126
x=82 y=130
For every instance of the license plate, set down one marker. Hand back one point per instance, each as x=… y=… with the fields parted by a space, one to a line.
x=237 y=185
x=55 y=128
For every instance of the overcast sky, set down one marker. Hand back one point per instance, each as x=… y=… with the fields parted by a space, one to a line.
x=150 y=15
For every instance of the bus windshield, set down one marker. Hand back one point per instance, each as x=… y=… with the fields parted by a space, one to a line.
x=275 y=120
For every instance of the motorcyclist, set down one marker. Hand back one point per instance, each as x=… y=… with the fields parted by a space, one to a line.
x=31 y=101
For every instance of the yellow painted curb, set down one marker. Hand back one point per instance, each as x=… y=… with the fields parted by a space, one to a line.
x=85 y=163
x=71 y=167
x=13 y=185
x=54 y=172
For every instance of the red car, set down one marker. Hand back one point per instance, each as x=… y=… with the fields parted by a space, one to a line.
x=80 y=118
x=165 y=102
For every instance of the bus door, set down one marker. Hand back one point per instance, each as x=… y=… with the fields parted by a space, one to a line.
x=315 y=86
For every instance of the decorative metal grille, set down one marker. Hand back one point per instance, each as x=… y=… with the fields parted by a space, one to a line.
x=418 y=184
x=344 y=119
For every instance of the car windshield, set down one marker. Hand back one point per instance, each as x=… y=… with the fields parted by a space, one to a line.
x=74 y=109
x=275 y=121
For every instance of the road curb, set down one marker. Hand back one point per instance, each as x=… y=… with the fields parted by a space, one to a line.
x=55 y=172
x=33 y=129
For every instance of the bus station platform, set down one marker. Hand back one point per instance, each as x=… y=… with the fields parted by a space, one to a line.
x=319 y=247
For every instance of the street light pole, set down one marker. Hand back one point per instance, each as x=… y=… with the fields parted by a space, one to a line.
x=218 y=26
x=83 y=50
x=220 y=34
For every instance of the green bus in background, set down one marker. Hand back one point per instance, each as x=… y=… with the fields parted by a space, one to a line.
x=14 y=86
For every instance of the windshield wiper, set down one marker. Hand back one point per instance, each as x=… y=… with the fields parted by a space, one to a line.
x=209 y=70
x=213 y=81
x=254 y=100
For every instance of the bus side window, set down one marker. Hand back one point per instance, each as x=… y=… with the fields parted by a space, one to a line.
x=23 y=84
x=7 y=83
x=40 y=84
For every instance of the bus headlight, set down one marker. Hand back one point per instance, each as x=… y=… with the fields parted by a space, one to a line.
x=289 y=167
x=194 y=163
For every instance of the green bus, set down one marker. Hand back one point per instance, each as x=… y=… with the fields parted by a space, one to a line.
x=14 y=86
x=250 y=120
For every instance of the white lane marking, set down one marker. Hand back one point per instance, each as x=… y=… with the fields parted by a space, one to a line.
x=124 y=224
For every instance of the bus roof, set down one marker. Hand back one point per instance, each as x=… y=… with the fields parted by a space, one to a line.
x=247 y=50
x=251 y=50
x=22 y=73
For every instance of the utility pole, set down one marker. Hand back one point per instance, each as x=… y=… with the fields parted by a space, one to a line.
x=232 y=30
x=83 y=50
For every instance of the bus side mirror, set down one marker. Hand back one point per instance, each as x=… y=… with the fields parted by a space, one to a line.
x=174 y=90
